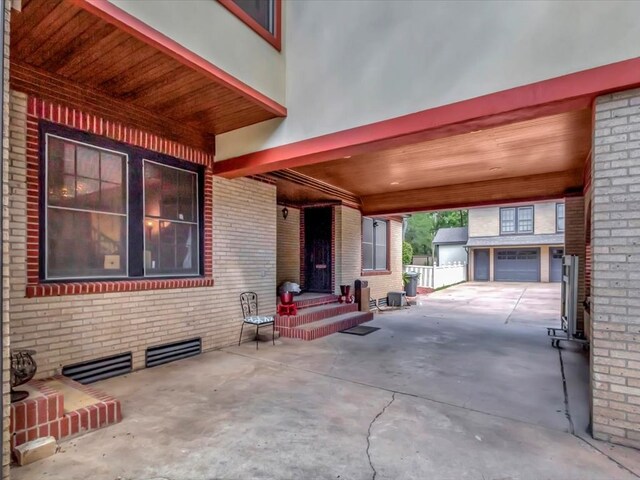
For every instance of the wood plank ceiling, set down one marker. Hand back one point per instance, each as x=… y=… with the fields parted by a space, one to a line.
x=60 y=39
x=538 y=158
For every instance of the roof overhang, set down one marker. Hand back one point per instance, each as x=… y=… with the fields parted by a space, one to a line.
x=100 y=47
x=517 y=240
x=529 y=143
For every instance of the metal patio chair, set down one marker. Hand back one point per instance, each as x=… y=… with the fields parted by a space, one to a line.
x=249 y=304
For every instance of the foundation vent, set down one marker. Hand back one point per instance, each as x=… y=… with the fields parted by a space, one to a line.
x=173 y=351
x=94 y=370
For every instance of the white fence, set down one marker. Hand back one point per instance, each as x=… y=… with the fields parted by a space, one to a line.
x=436 y=277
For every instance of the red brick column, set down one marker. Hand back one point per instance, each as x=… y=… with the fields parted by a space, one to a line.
x=574 y=243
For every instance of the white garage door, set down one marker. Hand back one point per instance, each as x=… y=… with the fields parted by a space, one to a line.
x=517 y=265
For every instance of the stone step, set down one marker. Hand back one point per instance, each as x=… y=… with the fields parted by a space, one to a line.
x=315 y=313
x=327 y=326
x=60 y=407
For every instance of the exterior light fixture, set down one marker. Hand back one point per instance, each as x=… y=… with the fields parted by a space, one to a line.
x=285 y=213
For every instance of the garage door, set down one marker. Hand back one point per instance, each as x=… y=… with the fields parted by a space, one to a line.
x=517 y=265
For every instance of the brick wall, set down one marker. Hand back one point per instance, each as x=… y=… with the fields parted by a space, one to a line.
x=574 y=243
x=484 y=221
x=288 y=266
x=615 y=283
x=350 y=246
x=75 y=328
x=6 y=399
x=544 y=218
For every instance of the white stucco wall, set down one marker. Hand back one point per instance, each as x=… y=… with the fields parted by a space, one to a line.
x=355 y=62
x=448 y=254
x=208 y=29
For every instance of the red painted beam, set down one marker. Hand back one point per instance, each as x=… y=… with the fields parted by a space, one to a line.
x=561 y=94
x=116 y=16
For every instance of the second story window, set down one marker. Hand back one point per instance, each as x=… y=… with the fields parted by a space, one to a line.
x=262 y=16
x=559 y=217
x=516 y=220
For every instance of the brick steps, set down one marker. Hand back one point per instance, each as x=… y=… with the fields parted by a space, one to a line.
x=315 y=301
x=326 y=326
x=44 y=412
x=315 y=313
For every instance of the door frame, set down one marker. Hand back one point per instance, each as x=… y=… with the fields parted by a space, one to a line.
x=475 y=264
x=551 y=263
x=303 y=246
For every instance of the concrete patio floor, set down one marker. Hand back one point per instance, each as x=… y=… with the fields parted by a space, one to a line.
x=463 y=386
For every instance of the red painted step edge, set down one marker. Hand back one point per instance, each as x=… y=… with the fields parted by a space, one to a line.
x=43 y=416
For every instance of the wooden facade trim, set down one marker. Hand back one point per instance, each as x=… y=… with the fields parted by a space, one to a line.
x=574 y=91
x=140 y=30
x=274 y=39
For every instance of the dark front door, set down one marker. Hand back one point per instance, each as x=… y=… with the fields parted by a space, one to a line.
x=481 y=265
x=317 y=249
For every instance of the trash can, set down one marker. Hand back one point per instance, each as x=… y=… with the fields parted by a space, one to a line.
x=411 y=287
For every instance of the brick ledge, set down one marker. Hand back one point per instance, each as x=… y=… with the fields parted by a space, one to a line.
x=59 y=289
x=373 y=273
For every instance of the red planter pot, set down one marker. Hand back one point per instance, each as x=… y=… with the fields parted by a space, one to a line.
x=286 y=298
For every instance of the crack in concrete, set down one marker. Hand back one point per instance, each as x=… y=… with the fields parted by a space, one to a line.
x=422 y=397
x=380 y=413
x=567 y=412
x=516 y=305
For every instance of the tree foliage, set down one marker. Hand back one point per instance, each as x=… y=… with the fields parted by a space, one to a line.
x=422 y=227
x=407 y=253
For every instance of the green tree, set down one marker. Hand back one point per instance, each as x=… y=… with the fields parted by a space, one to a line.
x=422 y=227
x=407 y=253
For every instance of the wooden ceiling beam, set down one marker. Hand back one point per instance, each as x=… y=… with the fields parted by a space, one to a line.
x=493 y=192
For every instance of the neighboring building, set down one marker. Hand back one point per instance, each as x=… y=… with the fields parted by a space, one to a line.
x=517 y=243
x=421 y=259
x=449 y=245
x=152 y=150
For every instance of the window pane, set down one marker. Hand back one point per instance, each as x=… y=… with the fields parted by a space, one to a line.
x=260 y=10
x=367 y=230
x=186 y=193
x=171 y=248
x=560 y=217
x=380 y=237
x=75 y=173
x=85 y=244
x=152 y=189
x=170 y=193
x=381 y=257
x=525 y=219
x=367 y=256
x=88 y=162
x=507 y=220
x=381 y=232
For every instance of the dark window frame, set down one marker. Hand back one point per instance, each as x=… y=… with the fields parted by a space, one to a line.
x=558 y=205
x=273 y=38
x=374 y=270
x=135 y=203
x=517 y=230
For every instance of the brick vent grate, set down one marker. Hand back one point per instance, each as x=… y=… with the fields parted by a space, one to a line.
x=172 y=351
x=99 y=369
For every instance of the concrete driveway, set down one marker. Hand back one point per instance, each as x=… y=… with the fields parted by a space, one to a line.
x=464 y=385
